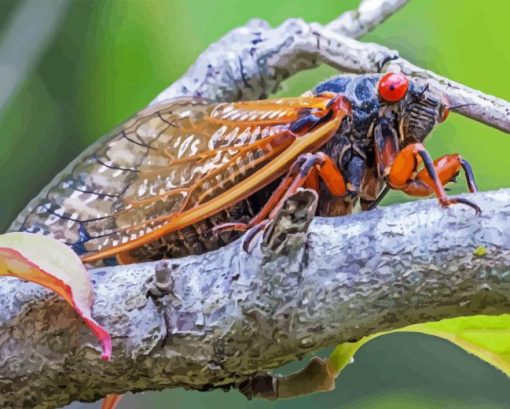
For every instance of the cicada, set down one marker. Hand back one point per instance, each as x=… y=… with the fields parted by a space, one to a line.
x=188 y=175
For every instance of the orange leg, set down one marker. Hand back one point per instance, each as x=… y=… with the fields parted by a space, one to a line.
x=448 y=167
x=124 y=257
x=312 y=182
x=402 y=174
x=305 y=171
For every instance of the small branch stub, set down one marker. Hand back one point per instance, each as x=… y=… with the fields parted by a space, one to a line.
x=161 y=283
x=289 y=227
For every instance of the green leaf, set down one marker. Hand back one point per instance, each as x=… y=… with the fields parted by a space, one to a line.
x=52 y=264
x=343 y=354
x=487 y=337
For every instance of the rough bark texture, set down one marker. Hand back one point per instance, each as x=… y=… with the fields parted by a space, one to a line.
x=229 y=314
x=368 y=15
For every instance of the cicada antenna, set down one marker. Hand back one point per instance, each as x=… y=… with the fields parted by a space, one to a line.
x=459 y=106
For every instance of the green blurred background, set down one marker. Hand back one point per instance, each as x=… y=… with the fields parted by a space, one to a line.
x=104 y=60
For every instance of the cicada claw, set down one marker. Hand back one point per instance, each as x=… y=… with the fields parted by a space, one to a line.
x=460 y=200
x=223 y=227
x=250 y=235
x=251 y=231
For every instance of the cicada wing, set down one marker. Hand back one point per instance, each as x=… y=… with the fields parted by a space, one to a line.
x=162 y=169
x=266 y=112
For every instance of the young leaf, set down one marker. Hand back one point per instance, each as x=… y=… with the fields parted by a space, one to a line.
x=487 y=337
x=48 y=262
x=343 y=354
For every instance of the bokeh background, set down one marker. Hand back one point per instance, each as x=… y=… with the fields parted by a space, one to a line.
x=71 y=71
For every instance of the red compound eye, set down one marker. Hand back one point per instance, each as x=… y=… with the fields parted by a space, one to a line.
x=393 y=87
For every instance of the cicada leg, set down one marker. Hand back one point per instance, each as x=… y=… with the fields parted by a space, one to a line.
x=371 y=204
x=403 y=174
x=305 y=172
x=448 y=167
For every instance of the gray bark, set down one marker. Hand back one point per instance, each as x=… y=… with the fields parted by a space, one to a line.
x=369 y=14
x=224 y=316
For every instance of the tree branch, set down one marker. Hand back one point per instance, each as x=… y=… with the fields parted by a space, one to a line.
x=226 y=315
x=368 y=15
x=252 y=61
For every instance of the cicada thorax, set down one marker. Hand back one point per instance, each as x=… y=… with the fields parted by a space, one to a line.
x=387 y=109
x=163 y=165
x=353 y=149
x=361 y=91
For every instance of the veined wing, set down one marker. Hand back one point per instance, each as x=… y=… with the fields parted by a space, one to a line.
x=171 y=165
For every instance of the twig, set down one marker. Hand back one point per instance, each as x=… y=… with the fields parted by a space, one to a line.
x=252 y=61
x=473 y=104
x=369 y=14
x=243 y=64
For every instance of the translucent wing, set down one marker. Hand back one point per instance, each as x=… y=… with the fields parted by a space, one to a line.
x=170 y=166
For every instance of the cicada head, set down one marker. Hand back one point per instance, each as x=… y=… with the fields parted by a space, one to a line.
x=418 y=106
